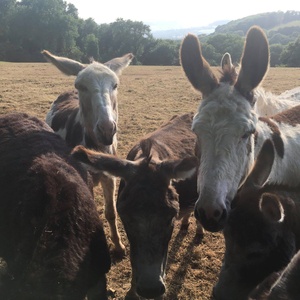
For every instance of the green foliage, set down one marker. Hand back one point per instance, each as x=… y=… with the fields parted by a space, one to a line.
x=290 y=56
x=162 y=52
x=38 y=24
x=221 y=43
x=123 y=36
x=29 y=26
x=91 y=46
x=275 y=52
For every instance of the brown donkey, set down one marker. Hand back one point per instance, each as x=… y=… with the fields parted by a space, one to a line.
x=51 y=236
x=158 y=184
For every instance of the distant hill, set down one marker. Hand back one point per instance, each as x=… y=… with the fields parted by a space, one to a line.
x=178 y=34
x=281 y=27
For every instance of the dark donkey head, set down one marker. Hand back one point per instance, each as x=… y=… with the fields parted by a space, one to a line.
x=97 y=88
x=260 y=232
x=148 y=205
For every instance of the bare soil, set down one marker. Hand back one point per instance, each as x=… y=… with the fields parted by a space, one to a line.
x=148 y=97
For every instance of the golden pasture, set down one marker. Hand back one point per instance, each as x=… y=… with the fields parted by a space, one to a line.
x=148 y=97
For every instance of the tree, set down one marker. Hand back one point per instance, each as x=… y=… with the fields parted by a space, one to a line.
x=6 y=9
x=231 y=43
x=275 y=52
x=123 y=36
x=91 y=46
x=162 y=52
x=291 y=54
x=38 y=24
x=210 y=54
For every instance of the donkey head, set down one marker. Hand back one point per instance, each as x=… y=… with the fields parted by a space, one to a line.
x=97 y=88
x=148 y=205
x=225 y=123
x=258 y=239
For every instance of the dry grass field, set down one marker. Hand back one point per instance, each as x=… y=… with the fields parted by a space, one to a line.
x=148 y=97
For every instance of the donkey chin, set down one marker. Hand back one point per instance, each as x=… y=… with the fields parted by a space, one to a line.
x=150 y=289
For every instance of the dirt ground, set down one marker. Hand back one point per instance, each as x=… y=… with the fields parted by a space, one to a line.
x=148 y=97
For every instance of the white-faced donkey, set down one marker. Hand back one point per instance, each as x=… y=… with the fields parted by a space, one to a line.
x=230 y=133
x=89 y=116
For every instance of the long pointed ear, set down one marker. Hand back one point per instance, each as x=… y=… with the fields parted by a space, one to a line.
x=196 y=68
x=228 y=69
x=262 y=167
x=120 y=63
x=226 y=63
x=64 y=64
x=180 y=169
x=254 y=62
x=101 y=162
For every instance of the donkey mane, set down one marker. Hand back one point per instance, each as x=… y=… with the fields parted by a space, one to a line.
x=229 y=75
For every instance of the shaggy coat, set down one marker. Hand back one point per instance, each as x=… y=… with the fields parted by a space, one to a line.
x=51 y=238
x=158 y=184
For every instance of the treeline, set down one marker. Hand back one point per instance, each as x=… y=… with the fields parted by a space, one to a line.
x=29 y=26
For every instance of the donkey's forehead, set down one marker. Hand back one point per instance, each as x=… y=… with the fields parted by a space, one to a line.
x=97 y=71
x=225 y=107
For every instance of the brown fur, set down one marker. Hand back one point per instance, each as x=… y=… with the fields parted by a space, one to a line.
x=283 y=286
x=158 y=182
x=290 y=116
x=259 y=239
x=50 y=233
x=149 y=198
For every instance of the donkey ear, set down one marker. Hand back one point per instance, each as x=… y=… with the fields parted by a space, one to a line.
x=196 y=68
x=262 y=167
x=228 y=69
x=65 y=65
x=271 y=207
x=226 y=63
x=102 y=162
x=254 y=62
x=120 y=63
x=180 y=169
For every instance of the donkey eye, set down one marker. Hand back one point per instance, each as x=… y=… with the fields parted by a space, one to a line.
x=115 y=86
x=247 y=134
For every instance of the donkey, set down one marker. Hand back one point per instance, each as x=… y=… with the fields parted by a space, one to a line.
x=89 y=116
x=266 y=103
x=51 y=236
x=230 y=133
x=280 y=285
x=158 y=184
x=262 y=232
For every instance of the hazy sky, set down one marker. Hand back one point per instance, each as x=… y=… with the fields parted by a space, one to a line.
x=161 y=14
